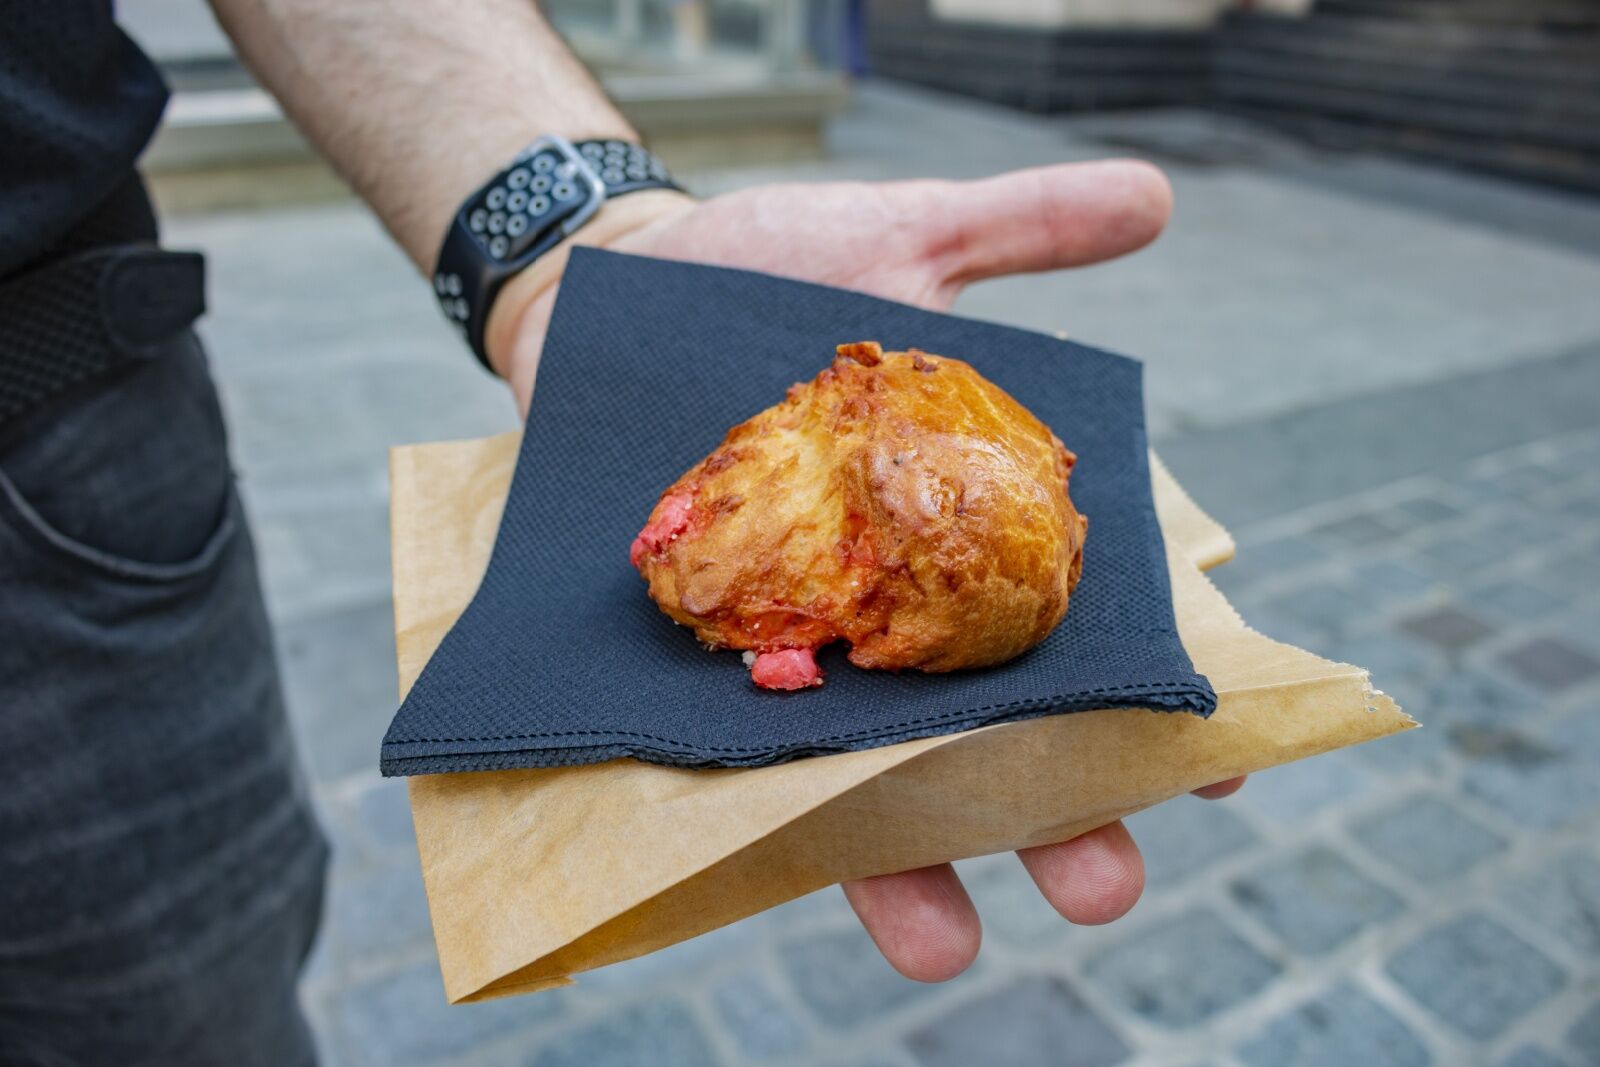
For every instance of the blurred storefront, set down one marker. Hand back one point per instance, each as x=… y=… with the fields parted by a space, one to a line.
x=708 y=83
x=1511 y=86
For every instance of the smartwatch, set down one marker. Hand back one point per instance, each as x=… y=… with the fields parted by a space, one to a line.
x=552 y=187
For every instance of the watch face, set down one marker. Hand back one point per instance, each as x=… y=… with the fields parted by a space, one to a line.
x=536 y=195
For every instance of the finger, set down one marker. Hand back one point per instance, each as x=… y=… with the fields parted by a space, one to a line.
x=922 y=921
x=1091 y=879
x=1218 y=790
x=1044 y=218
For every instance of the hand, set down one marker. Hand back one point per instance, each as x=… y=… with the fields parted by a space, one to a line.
x=917 y=242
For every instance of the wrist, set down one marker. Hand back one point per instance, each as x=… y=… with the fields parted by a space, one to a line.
x=528 y=294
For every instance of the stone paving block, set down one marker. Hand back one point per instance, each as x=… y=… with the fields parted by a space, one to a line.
x=1467 y=695
x=1185 y=835
x=1271 y=621
x=1583 y=506
x=1325 y=607
x=1532 y=1056
x=1461 y=556
x=382 y=810
x=1515 y=600
x=1447 y=628
x=1427 y=838
x=1011 y=906
x=1314 y=901
x=1540 y=787
x=1532 y=531
x=1488 y=741
x=685 y=961
x=338 y=673
x=1584 y=1037
x=378 y=912
x=1361 y=530
x=1342 y=1028
x=1539 y=471
x=1031 y=1021
x=1568 y=571
x=1420 y=511
x=1296 y=791
x=1424 y=749
x=1475 y=975
x=758 y=1020
x=1182 y=970
x=1388 y=581
x=661 y=1033
x=1551 y=663
x=403 y=1018
x=1275 y=558
x=844 y=980
x=1578 y=730
x=1486 y=490
x=1563 y=896
x=1400 y=666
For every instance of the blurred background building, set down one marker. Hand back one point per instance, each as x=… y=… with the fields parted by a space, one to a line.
x=1505 y=85
x=1372 y=347
x=1509 y=86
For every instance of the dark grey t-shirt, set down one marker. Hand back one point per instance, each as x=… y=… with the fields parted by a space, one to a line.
x=78 y=103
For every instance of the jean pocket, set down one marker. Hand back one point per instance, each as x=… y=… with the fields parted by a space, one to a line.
x=131 y=481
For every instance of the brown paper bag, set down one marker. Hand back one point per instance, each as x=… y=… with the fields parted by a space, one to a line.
x=535 y=875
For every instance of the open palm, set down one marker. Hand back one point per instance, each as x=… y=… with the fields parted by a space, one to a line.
x=920 y=242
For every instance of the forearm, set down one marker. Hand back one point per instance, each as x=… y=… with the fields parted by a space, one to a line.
x=418 y=102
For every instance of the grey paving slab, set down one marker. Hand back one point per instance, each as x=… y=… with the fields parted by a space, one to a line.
x=1181 y=971
x=1030 y=1021
x=1292 y=793
x=1551 y=663
x=1563 y=896
x=1584 y=1037
x=1186 y=835
x=339 y=677
x=843 y=980
x=1532 y=1056
x=376 y=914
x=1387 y=581
x=403 y=1018
x=1314 y=901
x=663 y=1033
x=761 y=1024
x=1540 y=788
x=1011 y=908
x=1515 y=600
x=1475 y=975
x=1289 y=461
x=383 y=812
x=1341 y=1028
x=1448 y=628
x=1428 y=839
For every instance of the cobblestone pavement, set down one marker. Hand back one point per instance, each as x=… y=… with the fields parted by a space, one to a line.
x=1430 y=899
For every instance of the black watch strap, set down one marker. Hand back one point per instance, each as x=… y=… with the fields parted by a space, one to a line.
x=551 y=189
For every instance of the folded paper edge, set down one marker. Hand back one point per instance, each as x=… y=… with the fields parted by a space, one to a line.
x=1173 y=505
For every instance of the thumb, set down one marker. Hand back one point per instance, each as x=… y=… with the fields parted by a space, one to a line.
x=1045 y=218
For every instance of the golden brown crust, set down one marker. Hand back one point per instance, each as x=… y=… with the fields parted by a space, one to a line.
x=899 y=501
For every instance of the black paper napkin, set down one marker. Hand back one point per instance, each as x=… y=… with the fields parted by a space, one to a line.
x=562 y=658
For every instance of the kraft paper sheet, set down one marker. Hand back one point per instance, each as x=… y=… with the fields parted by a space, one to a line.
x=536 y=875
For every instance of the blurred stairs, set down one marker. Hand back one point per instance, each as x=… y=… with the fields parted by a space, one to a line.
x=1511 y=86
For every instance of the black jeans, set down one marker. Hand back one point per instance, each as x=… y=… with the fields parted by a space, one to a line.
x=160 y=870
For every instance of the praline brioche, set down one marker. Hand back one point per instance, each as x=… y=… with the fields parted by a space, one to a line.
x=899 y=502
